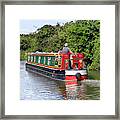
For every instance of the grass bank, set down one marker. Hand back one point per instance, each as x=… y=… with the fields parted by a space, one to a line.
x=94 y=75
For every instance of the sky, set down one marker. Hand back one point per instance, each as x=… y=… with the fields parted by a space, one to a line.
x=28 y=26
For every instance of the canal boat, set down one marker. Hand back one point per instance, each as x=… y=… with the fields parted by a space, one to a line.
x=57 y=66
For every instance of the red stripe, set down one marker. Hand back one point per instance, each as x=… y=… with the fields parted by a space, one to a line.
x=70 y=77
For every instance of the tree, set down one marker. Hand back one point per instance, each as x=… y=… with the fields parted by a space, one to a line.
x=81 y=35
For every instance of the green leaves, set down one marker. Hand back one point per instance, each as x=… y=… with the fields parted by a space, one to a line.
x=81 y=35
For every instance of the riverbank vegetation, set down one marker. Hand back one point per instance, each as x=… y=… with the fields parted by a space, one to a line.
x=94 y=75
x=81 y=35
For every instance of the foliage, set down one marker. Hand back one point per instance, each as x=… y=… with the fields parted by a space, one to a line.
x=94 y=75
x=81 y=36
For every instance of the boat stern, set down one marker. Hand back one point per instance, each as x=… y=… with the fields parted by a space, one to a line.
x=76 y=74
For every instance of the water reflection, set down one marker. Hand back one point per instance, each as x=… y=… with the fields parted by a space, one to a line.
x=75 y=92
x=36 y=87
x=80 y=91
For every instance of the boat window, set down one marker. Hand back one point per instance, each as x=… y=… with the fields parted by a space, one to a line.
x=52 y=61
x=46 y=60
x=49 y=60
x=31 y=58
x=34 y=58
x=39 y=59
x=42 y=59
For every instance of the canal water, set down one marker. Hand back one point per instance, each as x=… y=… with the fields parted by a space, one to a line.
x=36 y=87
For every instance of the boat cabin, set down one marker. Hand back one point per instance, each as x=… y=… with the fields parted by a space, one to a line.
x=57 y=60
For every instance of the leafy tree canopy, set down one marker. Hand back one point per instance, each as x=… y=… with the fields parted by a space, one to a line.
x=81 y=35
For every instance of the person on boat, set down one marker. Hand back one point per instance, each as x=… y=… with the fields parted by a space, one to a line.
x=66 y=50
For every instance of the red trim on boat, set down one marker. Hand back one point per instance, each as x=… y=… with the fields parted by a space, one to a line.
x=70 y=77
x=71 y=80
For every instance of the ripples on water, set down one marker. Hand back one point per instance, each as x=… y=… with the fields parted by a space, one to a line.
x=36 y=87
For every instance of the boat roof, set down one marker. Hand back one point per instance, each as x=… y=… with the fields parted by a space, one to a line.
x=44 y=54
